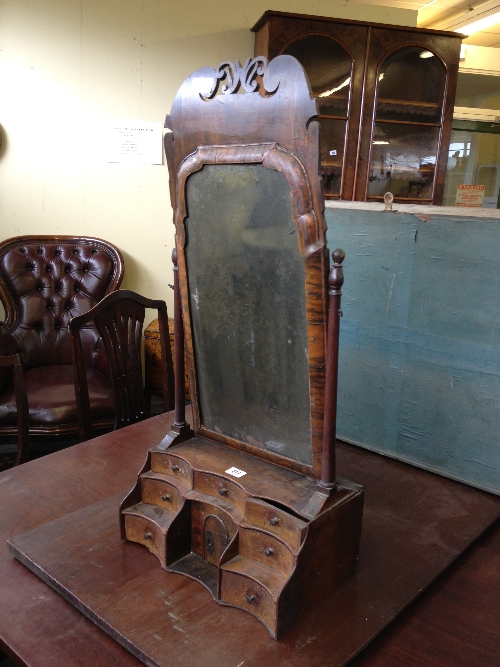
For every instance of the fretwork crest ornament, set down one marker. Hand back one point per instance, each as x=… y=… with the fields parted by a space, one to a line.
x=240 y=77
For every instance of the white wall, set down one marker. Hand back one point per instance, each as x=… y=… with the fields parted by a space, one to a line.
x=480 y=60
x=69 y=66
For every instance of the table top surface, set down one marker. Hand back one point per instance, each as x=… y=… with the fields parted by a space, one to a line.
x=453 y=623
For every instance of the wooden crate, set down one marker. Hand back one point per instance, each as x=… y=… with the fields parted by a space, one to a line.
x=152 y=359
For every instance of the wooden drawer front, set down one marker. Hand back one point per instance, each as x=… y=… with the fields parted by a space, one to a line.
x=289 y=528
x=162 y=493
x=141 y=530
x=267 y=549
x=171 y=465
x=245 y=593
x=219 y=487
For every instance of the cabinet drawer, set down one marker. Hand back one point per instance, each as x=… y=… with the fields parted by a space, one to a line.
x=171 y=465
x=144 y=531
x=266 y=549
x=220 y=487
x=240 y=591
x=161 y=492
x=286 y=526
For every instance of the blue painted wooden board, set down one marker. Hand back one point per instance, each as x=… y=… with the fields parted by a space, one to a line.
x=419 y=375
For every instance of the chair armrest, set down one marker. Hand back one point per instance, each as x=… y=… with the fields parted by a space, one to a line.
x=10 y=364
x=8 y=347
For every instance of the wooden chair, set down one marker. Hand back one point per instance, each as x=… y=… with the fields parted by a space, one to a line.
x=44 y=282
x=119 y=318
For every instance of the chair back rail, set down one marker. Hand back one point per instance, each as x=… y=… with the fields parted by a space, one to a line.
x=119 y=319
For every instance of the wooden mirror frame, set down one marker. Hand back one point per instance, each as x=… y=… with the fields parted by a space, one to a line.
x=312 y=249
x=263 y=114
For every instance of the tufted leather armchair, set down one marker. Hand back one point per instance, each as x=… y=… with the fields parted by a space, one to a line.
x=44 y=282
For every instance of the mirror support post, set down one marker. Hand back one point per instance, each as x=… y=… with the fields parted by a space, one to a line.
x=180 y=429
x=335 y=281
x=180 y=412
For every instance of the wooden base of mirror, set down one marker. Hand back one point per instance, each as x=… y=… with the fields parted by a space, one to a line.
x=259 y=537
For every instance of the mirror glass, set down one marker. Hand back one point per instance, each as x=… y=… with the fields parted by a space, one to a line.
x=246 y=286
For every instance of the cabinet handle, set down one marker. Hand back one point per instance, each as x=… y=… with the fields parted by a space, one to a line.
x=269 y=551
x=147 y=536
x=176 y=468
x=223 y=491
x=165 y=497
x=251 y=599
x=274 y=521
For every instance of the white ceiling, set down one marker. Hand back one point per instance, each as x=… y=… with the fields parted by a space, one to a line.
x=438 y=14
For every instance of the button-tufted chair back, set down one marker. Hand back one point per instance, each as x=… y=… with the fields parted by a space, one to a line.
x=44 y=282
x=48 y=280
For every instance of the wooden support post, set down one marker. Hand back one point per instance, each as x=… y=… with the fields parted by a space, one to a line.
x=335 y=281
x=180 y=430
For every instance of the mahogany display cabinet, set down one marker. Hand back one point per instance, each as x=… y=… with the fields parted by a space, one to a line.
x=385 y=96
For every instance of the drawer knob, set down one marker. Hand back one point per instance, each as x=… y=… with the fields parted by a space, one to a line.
x=269 y=551
x=176 y=468
x=274 y=521
x=223 y=491
x=147 y=536
x=251 y=599
x=165 y=497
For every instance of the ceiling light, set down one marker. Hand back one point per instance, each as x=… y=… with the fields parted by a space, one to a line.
x=381 y=76
x=334 y=90
x=426 y=54
x=480 y=24
x=473 y=19
x=380 y=143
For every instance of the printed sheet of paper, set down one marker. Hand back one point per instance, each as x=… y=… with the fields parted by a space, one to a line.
x=469 y=195
x=134 y=142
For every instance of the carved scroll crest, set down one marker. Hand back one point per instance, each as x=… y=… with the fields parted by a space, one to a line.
x=238 y=76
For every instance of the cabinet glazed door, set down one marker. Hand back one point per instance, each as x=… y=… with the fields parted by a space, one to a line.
x=406 y=119
x=335 y=69
x=333 y=56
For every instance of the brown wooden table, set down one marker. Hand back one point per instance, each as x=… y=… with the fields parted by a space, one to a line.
x=454 y=623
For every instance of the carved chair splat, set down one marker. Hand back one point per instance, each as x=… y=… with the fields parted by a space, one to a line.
x=119 y=318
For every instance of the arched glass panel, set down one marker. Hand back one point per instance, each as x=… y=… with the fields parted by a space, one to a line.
x=329 y=69
x=405 y=140
x=411 y=85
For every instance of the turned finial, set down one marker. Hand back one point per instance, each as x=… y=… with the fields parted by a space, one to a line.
x=336 y=278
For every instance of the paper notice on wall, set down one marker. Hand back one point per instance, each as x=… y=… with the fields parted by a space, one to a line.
x=134 y=142
x=469 y=195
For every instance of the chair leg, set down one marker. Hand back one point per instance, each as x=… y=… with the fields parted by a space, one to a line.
x=22 y=414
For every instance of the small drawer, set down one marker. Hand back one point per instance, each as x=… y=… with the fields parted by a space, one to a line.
x=266 y=549
x=242 y=592
x=143 y=531
x=286 y=526
x=169 y=464
x=220 y=487
x=161 y=492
